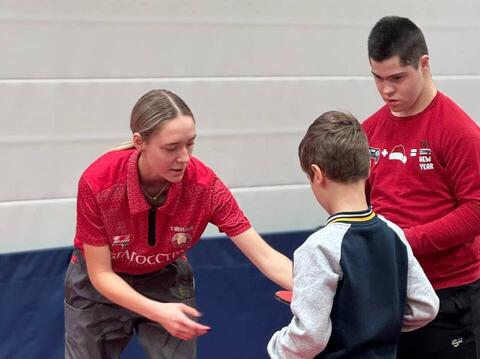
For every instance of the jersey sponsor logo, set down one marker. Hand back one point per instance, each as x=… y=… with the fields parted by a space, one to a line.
x=158 y=258
x=181 y=229
x=122 y=240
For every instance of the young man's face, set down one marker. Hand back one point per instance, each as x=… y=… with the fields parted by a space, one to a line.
x=401 y=86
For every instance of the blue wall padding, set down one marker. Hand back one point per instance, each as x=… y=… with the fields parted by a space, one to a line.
x=31 y=298
x=236 y=299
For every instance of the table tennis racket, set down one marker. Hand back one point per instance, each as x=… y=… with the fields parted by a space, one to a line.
x=284 y=296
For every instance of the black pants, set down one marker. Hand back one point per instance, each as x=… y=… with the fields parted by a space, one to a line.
x=454 y=333
x=96 y=328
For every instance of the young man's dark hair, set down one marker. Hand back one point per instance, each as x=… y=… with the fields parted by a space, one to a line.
x=393 y=35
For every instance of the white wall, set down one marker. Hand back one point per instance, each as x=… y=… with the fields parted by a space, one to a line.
x=255 y=73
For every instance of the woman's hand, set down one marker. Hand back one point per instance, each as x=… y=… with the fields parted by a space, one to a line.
x=176 y=319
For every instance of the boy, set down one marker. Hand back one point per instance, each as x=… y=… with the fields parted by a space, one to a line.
x=356 y=284
x=425 y=177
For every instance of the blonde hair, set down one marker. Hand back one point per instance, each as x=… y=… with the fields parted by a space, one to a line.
x=150 y=113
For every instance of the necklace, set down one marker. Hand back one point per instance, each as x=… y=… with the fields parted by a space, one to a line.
x=154 y=198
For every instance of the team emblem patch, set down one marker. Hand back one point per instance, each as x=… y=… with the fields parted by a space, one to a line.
x=181 y=239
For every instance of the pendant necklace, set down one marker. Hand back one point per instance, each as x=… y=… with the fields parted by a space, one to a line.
x=154 y=198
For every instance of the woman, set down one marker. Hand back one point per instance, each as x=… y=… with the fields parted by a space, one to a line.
x=139 y=209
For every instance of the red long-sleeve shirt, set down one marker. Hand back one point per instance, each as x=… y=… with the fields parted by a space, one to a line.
x=425 y=177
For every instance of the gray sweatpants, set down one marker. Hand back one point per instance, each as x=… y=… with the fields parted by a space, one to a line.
x=97 y=328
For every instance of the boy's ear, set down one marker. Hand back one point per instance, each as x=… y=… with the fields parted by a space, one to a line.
x=138 y=141
x=318 y=176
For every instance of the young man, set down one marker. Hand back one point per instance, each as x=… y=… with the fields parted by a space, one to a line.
x=425 y=177
x=356 y=283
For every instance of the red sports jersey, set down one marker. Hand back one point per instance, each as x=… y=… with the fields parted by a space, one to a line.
x=112 y=210
x=425 y=177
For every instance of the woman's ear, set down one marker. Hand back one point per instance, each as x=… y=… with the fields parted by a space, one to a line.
x=138 y=141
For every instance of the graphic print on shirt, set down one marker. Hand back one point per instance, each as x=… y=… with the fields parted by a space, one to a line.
x=374 y=153
x=425 y=156
x=399 y=153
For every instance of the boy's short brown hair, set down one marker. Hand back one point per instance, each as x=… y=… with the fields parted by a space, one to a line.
x=336 y=143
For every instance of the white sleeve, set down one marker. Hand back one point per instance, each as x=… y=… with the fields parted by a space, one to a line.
x=315 y=277
x=422 y=303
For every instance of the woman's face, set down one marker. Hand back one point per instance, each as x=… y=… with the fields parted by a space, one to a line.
x=166 y=153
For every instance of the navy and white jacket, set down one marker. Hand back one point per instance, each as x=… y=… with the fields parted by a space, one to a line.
x=356 y=286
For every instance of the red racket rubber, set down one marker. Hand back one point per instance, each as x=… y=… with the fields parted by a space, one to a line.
x=284 y=296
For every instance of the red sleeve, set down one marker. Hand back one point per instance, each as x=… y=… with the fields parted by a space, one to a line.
x=90 y=227
x=461 y=158
x=226 y=214
x=368 y=187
